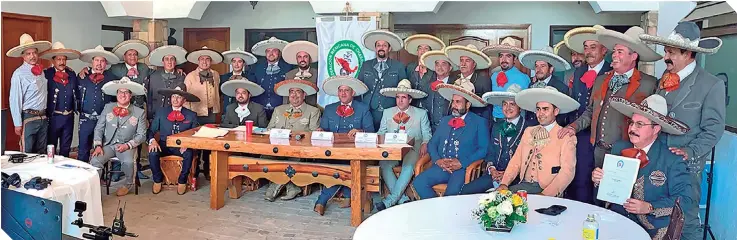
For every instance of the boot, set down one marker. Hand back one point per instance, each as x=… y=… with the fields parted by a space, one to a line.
x=273 y=191
x=122 y=191
x=157 y=188
x=181 y=188
x=319 y=209
x=292 y=192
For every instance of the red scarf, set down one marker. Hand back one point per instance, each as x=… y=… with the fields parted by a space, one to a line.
x=175 y=116
x=670 y=82
x=501 y=79
x=120 y=112
x=588 y=78
x=97 y=77
x=344 y=111
x=37 y=69
x=457 y=123
x=61 y=77
x=636 y=153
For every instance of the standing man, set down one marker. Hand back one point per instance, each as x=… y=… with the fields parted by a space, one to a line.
x=28 y=94
x=238 y=60
x=380 y=72
x=574 y=58
x=302 y=54
x=167 y=57
x=62 y=99
x=243 y=109
x=437 y=107
x=545 y=63
x=469 y=59
x=507 y=52
x=91 y=98
x=696 y=98
x=419 y=44
x=130 y=51
x=270 y=72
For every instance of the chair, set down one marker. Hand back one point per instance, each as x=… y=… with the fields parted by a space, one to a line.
x=107 y=174
x=675 y=227
x=172 y=165
x=473 y=171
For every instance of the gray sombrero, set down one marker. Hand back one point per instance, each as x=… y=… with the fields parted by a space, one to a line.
x=136 y=44
x=413 y=42
x=331 y=85
x=654 y=108
x=26 y=42
x=58 y=49
x=259 y=48
x=686 y=36
x=456 y=52
x=507 y=45
x=247 y=57
x=575 y=38
x=370 y=38
x=466 y=91
x=180 y=90
x=195 y=55
x=404 y=86
x=562 y=50
x=529 y=57
x=228 y=88
x=289 y=54
x=156 y=57
x=428 y=59
x=497 y=98
x=527 y=99
x=99 y=51
x=631 y=39
x=282 y=88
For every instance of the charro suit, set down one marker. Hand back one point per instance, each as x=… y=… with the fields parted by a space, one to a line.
x=165 y=127
x=561 y=87
x=437 y=107
x=257 y=115
x=120 y=70
x=304 y=118
x=376 y=81
x=112 y=131
x=312 y=99
x=481 y=84
x=415 y=78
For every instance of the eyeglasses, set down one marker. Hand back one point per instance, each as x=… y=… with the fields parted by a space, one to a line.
x=639 y=124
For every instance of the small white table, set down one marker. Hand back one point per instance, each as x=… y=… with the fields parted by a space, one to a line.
x=450 y=218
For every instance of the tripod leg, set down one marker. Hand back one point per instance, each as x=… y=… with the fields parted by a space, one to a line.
x=709 y=182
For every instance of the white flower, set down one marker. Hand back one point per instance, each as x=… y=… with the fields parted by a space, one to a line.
x=505 y=208
x=486 y=199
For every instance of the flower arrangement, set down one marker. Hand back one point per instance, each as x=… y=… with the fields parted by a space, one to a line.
x=501 y=210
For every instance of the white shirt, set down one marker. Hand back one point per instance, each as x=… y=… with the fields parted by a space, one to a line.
x=514 y=120
x=598 y=67
x=550 y=126
x=445 y=79
x=242 y=111
x=237 y=73
x=176 y=108
x=547 y=80
x=350 y=104
x=686 y=71
x=647 y=148
x=628 y=73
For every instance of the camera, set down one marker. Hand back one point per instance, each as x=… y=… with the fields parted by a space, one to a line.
x=101 y=232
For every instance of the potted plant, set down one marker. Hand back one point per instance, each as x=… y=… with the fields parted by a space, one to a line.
x=499 y=211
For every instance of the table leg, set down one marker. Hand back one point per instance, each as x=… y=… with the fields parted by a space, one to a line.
x=236 y=187
x=358 y=191
x=219 y=178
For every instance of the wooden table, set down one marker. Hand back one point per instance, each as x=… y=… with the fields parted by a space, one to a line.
x=224 y=167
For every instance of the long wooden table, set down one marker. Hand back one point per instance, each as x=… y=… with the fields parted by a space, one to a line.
x=224 y=167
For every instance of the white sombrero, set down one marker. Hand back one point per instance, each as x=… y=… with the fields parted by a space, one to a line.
x=370 y=38
x=216 y=56
x=156 y=57
x=228 y=88
x=111 y=88
x=99 y=51
x=529 y=57
x=575 y=38
x=456 y=52
x=497 y=98
x=428 y=59
x=508 y=45
x=631 y=39
x=527 y=99
x=331 y=85
x=654 y=108
x=26 y=42
x=686 y=36
x=562 y=50
x=413 y=42
x=58 y=49
x=404 y=86
x=289 y=54
x=466 y=91
x=136 y=44
x=260 y=47
x=282 y=88
x=247 y=57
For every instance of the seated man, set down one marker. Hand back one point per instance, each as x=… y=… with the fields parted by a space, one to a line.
x=459 y=140
x=505 y=136
x=414 y=122
x=662 y=177
x=345 y=116
x=243 y=109
x=169 y=121
x=544 y=164
x=296 y=115
x=120 y=129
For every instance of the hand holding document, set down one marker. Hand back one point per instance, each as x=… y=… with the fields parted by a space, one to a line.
x=620 y=174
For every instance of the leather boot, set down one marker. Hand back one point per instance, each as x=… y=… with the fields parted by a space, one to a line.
x=122 y=191
x=273 y=191
x=292 y=192
x=181 y=189
x=157 y=188
x=319 y=209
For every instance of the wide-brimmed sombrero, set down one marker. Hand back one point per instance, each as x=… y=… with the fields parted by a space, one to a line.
x=26 y=42
x=654 y=108
x=156 y=57
x=194 y=56
x=259 y=48
x=247 y=57
x=527 y=99
x=575 y=38
x=282 y=88
x=405 y=87
x=466 y=91
x=631 y=39
x=413 y=42
x=456 y=52
x=428 y=59
x=497 y=98
x=228 y=88
x=289 y=54
x=506 y=46
x=331 y=85
x=562 y=50
x=529 y=57
x=136 y=44
x=111 y=88
x=58 y=49
x=686 y=36
x=99 y=51
x=370 y=38
x=180 y=90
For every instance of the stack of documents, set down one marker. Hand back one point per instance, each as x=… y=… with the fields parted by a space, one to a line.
x=207 y=132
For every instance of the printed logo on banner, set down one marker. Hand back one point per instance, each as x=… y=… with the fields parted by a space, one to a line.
x=345 y=59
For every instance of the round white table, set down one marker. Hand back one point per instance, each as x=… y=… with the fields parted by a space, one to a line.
x=450 y=218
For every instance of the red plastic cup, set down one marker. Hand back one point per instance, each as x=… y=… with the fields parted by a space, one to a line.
x=249 y=128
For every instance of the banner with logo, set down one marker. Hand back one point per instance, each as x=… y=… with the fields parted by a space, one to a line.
x=341 y=49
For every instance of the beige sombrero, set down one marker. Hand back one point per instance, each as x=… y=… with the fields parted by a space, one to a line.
x=136 y=44
x=193 y=56
x=111 y=88
x=331 y=85
x=58 y=49
x=259 y=48
x=654 y=108
x=404 y=86
x=282 y=88
x=247 y=57
x=370 y=38
x=466 y=91
x=631 y=39
x=497 y=98
x=99 y=51
x=289 y=54
x=575 y=38
x=413 y=42
x=228 y=88
x=508 y=45
x=26 y=42
x=687 y=36
x=156 y=57
x=529 y=57
x=455 y=53
x=527 y=99
x=562 y=50
x=428 y=59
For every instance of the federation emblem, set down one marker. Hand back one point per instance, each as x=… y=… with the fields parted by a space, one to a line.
x=657 y=178
x=344 y=59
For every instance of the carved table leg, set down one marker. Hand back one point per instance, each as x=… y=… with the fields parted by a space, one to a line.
x=236 y=187
x=219 y=178
x=358 y=191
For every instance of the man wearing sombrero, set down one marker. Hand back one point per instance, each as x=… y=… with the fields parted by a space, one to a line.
x=28 y=93
x=417 y=45
x=607 y=126
x=238 y=60
x=61 y=102
x=270 y=72
x=544 y=62
x=469 y=59
x=507 y=52
x=380 y=72
x=695 y=97
x=462 y=139
x=120 y=129
x=574 y=58
x=170 y=120
x=437 y=107
x=413 y=121
x=302 y=54
x=91 y=98
x=662 y=177
x=544 y=163
x=244 y=108
x=166 y=57
x=345 y=116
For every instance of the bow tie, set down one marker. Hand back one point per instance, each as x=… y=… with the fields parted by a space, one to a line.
x=501 y=79
x=303 y=75
x=509 y=129
x=37 y=69
x=588 y=78
x=670 y=82
x=456 y=123
x=205 y=75
x=344 y=111
x=638 y=154
x=97 y=77
x=61 y=77
x=120 y=111
x=175 y=116
x=539 y=84
x=434 y=85
x=132 y=72
x=617 y=82
x=401 y=118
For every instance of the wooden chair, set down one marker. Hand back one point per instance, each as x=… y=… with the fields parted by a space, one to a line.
x=107 y=174
x=473 y=171
x=409 y=191
x=675 y=227
x=171 y=166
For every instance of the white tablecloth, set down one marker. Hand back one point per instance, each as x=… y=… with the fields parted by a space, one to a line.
x=450 y=218
x=67 y=187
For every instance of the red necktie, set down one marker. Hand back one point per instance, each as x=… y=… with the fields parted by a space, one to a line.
x=175 y=116
x=670 y=82
x=344 y=111
x=132 y=72
x=37 y=69
x=61 y=77
x=636 y=153
x=434 y=85
x=457 y=122
x=97 y=77
x=120 y=111
x=401 y=118
x=501 y=79
x=588 y=78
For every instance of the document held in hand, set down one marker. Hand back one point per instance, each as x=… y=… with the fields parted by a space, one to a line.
x=620 y=174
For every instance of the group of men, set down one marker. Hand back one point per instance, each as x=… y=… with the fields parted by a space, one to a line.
x=540 y=134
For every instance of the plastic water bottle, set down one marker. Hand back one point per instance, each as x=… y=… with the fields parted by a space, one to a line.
x=402 y=129
x=590 y=228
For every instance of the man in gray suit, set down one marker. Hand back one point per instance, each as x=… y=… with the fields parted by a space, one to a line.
x=701 y=106
x=380 y=72
x=120 y=129
x=243 y=109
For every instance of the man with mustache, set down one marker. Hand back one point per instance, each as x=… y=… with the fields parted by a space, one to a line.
x=544 y=62
x=167 y=57
x=624 y=81
x=437 y=107
x=91 y=98
x=28 y=93
x=62 y=99
x=417 y=72
x=243 y=109
x=500 y=81
x=270 y=72
x=696 y=98
x=380 y=72
x=662 y=178
x=302 y=54
x=238 y=60
x=470 y=59
x=576 y=59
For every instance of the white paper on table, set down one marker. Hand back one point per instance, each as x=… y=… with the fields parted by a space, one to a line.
x=394 y=145
x=322 y=136
x=395 y=138
x=279 y=133
x=210 y=132
x=620 y=174
x=366 y=137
